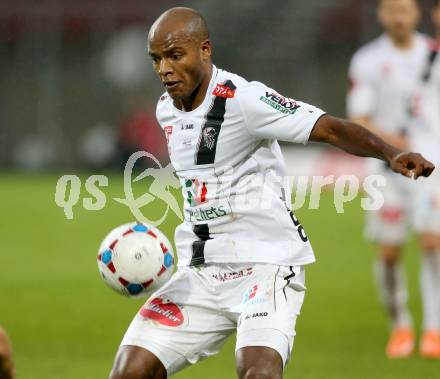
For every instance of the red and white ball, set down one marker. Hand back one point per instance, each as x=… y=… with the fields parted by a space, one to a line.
x=135 y=259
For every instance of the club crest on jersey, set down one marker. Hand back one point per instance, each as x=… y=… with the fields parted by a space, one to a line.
x=223 y=91
x=195 y=192
x=280 y=103
x=163 y=312
x=168 y=131
x=209 y=134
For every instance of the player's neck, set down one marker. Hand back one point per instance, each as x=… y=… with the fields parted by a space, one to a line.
x=402 y=43
x=198 y=95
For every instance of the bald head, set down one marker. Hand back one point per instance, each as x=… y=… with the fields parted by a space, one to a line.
x=178 y=43
x=185 y=21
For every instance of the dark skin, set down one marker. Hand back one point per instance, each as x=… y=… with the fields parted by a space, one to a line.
x=179 y=46
x=7 y=369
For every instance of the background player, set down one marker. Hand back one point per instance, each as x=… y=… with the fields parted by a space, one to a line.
x=216 y=120
x=384 y=75
x=7 y=370
x=425 y=135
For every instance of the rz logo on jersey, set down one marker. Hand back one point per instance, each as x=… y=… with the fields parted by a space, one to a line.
x=223 y=91
x=168 y=131
x=195 y=192
x=209 y=134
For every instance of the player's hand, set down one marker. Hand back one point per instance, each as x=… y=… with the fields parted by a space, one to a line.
x=411 y=165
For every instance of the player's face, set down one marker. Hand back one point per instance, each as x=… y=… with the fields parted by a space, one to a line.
x=180 y=63
x=399 y=17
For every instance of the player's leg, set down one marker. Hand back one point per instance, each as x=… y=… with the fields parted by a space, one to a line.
x=387 y=227
x=427 y=224
x=134 y=362
x=179 y=325
x=7 y=369
x=259 y=362
x=392 y=284
x=393 y=290
x=266 y=325
x=430 y=286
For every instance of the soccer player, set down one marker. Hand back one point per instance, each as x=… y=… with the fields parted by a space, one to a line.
x=242 y=252
x=7 y=370
x=384 y=75
x=425 y=135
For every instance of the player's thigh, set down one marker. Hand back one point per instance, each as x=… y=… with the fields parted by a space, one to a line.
x=258 y=362
x=180 y=323
x=270 y=310
x=390 y=253
x=429 y=242
x=134 y=362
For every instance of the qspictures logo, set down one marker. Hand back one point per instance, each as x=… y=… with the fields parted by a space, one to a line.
x=206 y=200
x=280 y=103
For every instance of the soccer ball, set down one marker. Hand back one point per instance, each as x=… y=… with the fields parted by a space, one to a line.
x=135 y=259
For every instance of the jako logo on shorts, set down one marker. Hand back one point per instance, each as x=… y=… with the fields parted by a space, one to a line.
x=166 y=313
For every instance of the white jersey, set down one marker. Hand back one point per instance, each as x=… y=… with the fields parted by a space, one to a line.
x=425 y=128
x=226 y=155
x=383 y=80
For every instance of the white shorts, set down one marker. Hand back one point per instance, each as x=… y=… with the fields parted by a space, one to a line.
x=193 y=314
x=390 y=224
x=427 y=204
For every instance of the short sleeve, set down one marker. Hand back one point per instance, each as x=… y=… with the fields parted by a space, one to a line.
x=269 y=115
x=361 y=94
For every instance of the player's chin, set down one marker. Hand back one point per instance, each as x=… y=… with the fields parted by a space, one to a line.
x=176 y=91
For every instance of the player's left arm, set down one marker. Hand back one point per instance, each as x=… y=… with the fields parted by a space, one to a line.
x=357 y=140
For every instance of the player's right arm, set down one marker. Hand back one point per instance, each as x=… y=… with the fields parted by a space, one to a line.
x=7 y=369
x=269 y=115
x=362 y=100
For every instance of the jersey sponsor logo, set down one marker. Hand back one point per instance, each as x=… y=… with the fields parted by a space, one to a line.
x=223 y=91
x=206 y=214
x=164 y=312
x=168 y=131
x=200 y=209
x=232 y=275
x=196 y=192
x=280 y=103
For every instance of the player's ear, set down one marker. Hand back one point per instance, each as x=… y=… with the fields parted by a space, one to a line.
x=206 y=50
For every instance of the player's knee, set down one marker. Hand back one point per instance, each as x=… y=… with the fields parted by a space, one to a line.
x=265 y=372
x=128 y=371
x=259 y=363
x=390 y=254
x=136 y=363
x=429 y=243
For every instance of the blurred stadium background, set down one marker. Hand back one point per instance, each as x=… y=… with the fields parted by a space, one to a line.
x=77 y=97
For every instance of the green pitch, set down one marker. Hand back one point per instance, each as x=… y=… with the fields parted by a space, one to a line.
x=66 y=324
